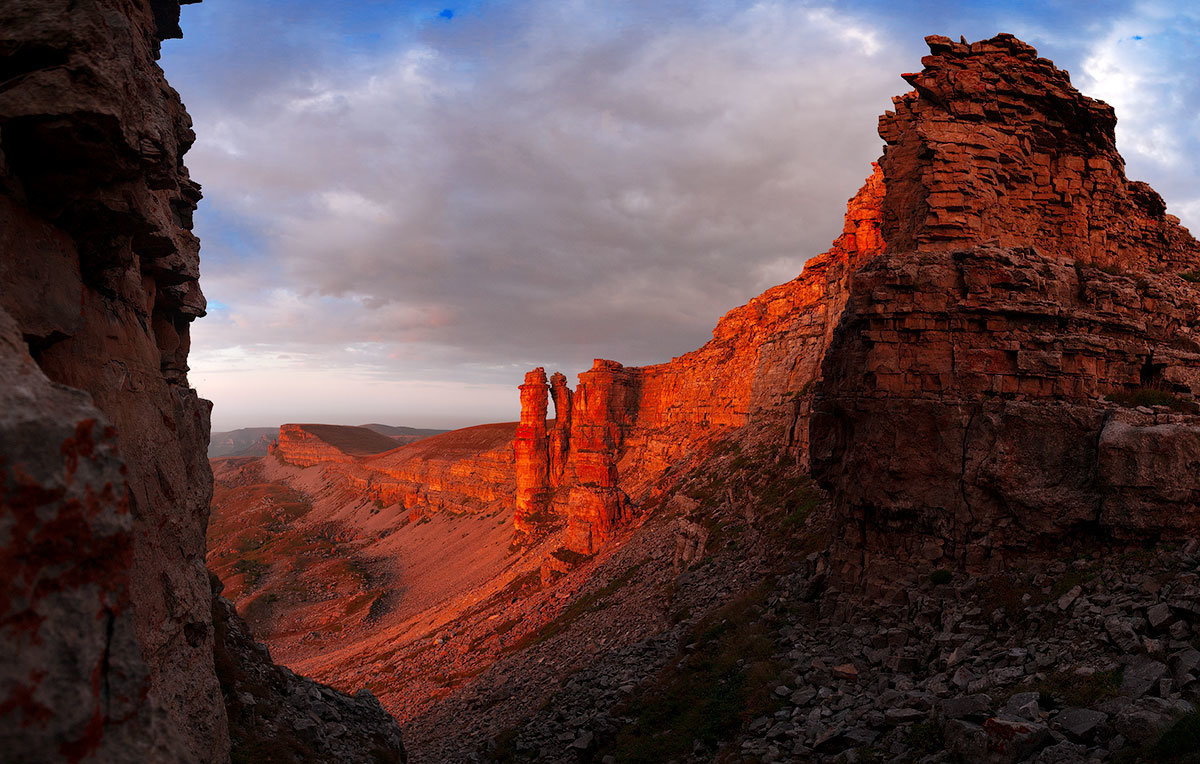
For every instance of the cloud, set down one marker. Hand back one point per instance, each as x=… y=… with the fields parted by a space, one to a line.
x=413 y=197
x=1144 y=64
x=533 y=184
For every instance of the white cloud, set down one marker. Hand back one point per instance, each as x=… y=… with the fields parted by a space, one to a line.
x=1144 y=64
x=538 y=185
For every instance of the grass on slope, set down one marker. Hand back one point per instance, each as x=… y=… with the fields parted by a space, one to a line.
x=716 y=689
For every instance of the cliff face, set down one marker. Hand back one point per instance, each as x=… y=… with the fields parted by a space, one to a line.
x=100 y=272
x=104 y=482
x=944 y=344
x=307 y=444
x=622 y=427
x=980 y=401
x=994 y=144
x=460 y=471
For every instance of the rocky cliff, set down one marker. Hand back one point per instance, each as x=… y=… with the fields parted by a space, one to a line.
x=307 y=444
x=622 y=427
x=1076 y=295
x=105 y=483
x=1018 y=371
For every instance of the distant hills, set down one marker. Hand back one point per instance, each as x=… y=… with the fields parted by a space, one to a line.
x=253 y=441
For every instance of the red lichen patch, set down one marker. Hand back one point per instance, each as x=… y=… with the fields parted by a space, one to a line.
x=77 y=750
x=80 y=444
x=20 y=698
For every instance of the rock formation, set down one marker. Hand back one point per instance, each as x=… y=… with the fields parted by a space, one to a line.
x=105 y=483
x=459 y=471
x=307 y=444
x=1004 y=259
x=622 y=427
x=979 y=399
x=100 y=272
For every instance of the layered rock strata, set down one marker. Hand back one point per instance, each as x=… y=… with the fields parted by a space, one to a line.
x=969 y=409
x=621 y=428
x=461 y=471
x=993 y=146
x=106 y=486
x=304 y=445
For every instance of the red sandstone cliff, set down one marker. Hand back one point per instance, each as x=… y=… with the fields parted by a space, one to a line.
x=307 y=444
x=621 y=428
x=994 y=146
x=107 y=616
x=980 y=397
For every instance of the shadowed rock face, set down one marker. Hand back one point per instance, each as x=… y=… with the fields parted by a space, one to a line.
x=967 y=411
x=100 y=272
x=104 y=482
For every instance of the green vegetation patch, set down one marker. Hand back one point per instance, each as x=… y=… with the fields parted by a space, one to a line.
x=588 y=603
x=1067 y=688
x=1149 y=396
x=1192 y=276
x=710 y=694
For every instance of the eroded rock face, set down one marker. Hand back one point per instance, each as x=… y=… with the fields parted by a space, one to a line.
x=304 y=445
x=948 y=348
x=623 y=427
x=967 y=410
x=994 y=144
x=100 y=272
x=107 y=622
x=76 y=687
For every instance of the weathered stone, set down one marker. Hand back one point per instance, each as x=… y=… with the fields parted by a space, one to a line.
x=966 y=707
x=1145 y=719
x=1080 y=724
x=996 y=741
x=108 y=620
x=1141 y=676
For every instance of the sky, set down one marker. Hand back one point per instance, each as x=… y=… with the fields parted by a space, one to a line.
x=409 y=204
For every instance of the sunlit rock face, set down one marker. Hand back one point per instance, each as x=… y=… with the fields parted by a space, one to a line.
x=995 y=145
x=304 y=445
x=1072 y=298
x=623 y=427
x=963 y=413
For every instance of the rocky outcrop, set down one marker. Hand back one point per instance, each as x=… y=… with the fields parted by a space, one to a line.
x=623 y=427
x=981 y=401
x=304 y=445
x=994 y=144
x=461 y=471
x=964 y=414
x=77 y=686
x=276 y=715
x=1070 y=300
x=100 y=272
x=106 y=486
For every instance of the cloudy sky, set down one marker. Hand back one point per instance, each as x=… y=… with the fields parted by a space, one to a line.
x=409 y=204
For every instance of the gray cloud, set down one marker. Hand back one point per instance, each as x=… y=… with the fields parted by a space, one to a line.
x=538 y=183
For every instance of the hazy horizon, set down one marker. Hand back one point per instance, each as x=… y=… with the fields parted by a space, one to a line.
x=408 y=205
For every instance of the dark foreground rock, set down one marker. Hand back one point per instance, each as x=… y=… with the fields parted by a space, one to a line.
x=277 y=716
x=106 y=611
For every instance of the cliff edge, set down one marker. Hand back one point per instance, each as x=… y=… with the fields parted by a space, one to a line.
x=104 y=481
